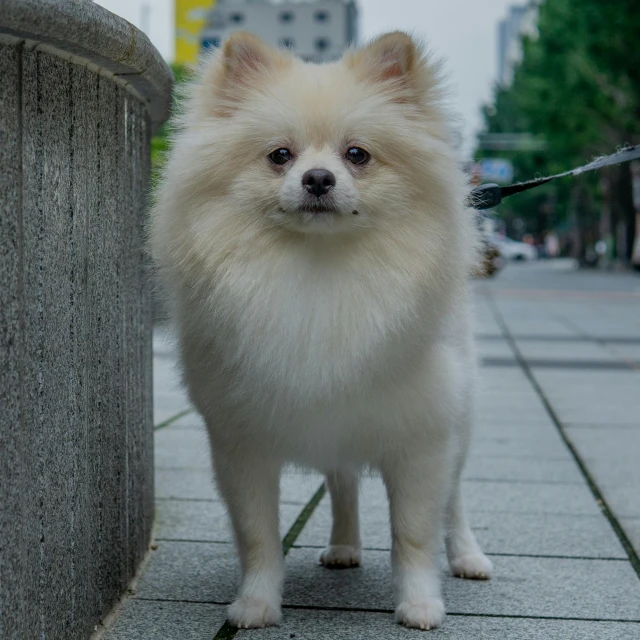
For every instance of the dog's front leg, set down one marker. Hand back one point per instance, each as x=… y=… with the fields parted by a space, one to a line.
x=249 y=483
x=417 y=487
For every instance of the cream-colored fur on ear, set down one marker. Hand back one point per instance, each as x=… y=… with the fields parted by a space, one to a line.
x=243 y=63
x=401 y=66
x=391 y=55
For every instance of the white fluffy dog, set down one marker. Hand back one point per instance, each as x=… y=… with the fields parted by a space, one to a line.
x=313 y=241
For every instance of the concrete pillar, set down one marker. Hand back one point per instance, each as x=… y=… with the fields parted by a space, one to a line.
x=81 y=92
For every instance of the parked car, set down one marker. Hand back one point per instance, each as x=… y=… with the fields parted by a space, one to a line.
x=513 y=250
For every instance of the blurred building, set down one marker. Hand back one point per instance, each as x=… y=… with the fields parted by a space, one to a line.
x=190 y=19
x=315 y=30
x=520 y=21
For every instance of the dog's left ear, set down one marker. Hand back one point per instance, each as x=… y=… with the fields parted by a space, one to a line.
x=388 y=57
x=397 y=61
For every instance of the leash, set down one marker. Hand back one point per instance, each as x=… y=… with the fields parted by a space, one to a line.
x=490 y=195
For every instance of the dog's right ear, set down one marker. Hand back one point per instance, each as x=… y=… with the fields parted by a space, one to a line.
x=243 y=62
x=244 y=57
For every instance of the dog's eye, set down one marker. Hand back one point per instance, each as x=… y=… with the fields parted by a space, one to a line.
x=356 y=155
x=280 y=156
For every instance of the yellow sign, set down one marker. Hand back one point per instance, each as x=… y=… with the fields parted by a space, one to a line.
x=190 y=20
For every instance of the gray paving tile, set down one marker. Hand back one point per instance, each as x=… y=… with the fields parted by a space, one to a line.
x=182 y=448
x=587 y=351
x=517 y=406
x=506 y=441
x=511 y=415
x=626 y=351
x=185 y=484
x=190 y=571
x=298 y=487
x=167 y=405
x=166 y=376
x=197 y=484
x=605 y=397
x=149 y=620
x=549 y=587
x=309 y=624
x=374 y=527
x=192 y=420
x=532 y=498
x=520 y=534
x=631 y=527
x=622 y=499
x=494 y=349
x=205 y=521
x=520 y=469
x=611 y=455
x=164 y=339
x=540 y=534
x=505 y=497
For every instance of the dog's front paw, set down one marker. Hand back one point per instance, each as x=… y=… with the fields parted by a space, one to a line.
x=421 y=615
x=341 y=556
x=474 y=566
x=250 y=613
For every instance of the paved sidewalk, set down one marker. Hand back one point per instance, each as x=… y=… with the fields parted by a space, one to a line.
x=552 y=489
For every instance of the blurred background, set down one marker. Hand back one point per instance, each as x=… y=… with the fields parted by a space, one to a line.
x=541 y=87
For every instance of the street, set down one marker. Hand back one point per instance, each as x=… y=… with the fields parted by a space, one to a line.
x=551 y=487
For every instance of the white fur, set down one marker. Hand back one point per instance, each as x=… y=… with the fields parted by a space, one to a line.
x=335 y=341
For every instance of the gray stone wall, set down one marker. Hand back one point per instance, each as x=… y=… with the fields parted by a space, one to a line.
x=76 y=467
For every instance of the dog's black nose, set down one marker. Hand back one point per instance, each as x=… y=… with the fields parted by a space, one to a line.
x=318 y=181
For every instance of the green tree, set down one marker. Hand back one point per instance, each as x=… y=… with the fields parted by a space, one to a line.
x=578 y=87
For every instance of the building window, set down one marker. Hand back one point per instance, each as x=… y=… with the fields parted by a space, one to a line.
x=321 y=16
x=287 y=43
x=287 y=16
x=322 y=44
x=210 y=43
x=236 y=18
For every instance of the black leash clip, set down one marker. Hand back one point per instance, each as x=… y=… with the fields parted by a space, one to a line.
x=486 y=196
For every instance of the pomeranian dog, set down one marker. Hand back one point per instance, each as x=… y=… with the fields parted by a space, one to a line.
x=312 y=237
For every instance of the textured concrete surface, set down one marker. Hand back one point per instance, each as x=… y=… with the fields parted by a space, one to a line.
x=91 y=35
x=562 y=571
x=76 y=467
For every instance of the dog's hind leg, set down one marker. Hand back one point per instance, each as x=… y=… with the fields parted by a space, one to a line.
x=466 y=559
x=464 y=553
x=344 y=548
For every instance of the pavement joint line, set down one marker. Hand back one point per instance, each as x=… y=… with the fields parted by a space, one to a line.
x=460 y=614
x=227 y=631
x=387 y=549
x=453 y=614
x=595 y=490
x=217 y=500
x=521 y=481
x=193 y=540
x=172 y=419
x=488 y=553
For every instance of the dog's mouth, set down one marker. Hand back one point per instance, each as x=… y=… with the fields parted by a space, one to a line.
x=314 y=209
x=318 y=209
